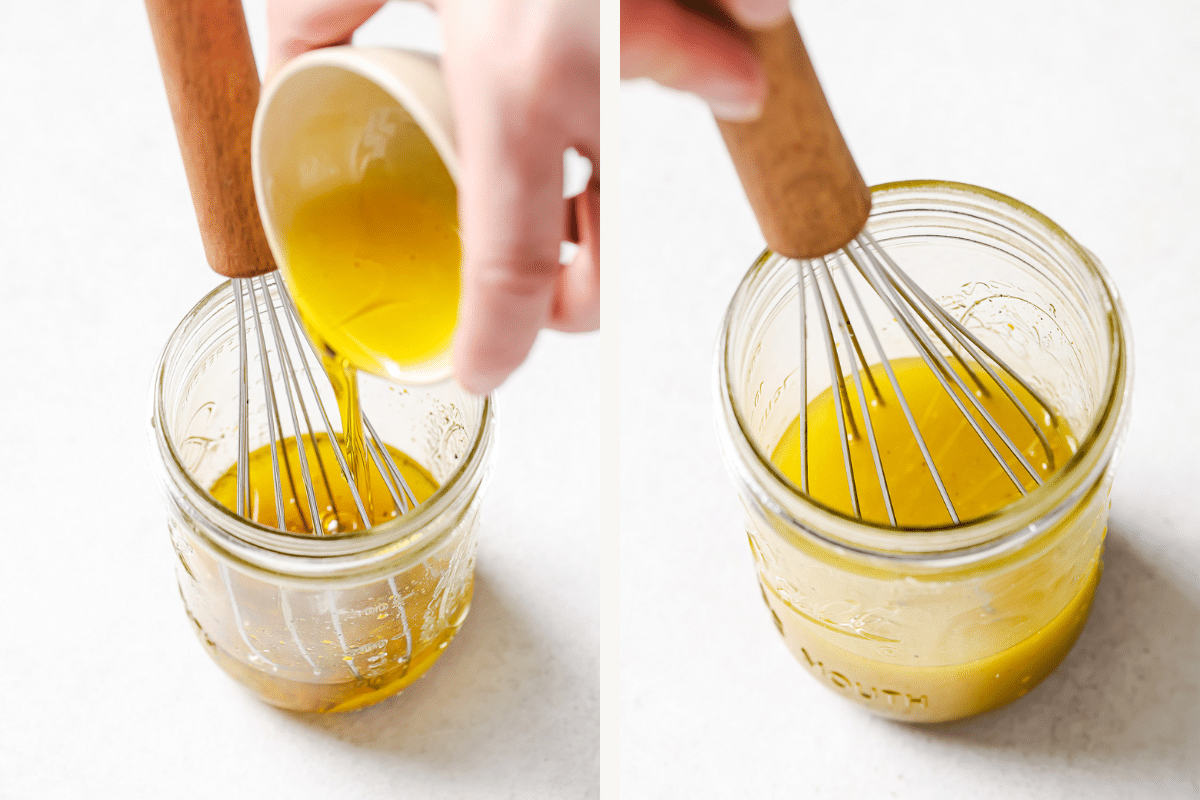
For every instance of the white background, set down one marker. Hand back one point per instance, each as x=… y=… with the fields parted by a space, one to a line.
x=106 y=692
x=1089 y=112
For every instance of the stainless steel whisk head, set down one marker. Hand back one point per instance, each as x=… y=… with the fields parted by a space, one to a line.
x=268 y=325
x=939 y=340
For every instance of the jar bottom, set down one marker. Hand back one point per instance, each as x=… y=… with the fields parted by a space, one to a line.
x=941 y=693
x=335 y=696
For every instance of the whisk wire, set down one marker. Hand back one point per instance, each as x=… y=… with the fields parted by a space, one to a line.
x=303 y=405
x=841 y=405
x=285 y=459
x=293 y=358
x=945 y=374
x=803 y=369
x=243 y=458
x=398 y=602
x=903 y=401
x=271 y=406
x=844 y=321
x=289 y=377
x=968 y=341
x=856 y=373
x=289 y=621
x=339 y=456
x=238 y=622
x=956 y=358
x=952 y=348
x=393 y=479
x=372 y=449
x=336 y=618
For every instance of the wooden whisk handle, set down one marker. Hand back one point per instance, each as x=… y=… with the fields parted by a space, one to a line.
x=798 y=174
x=212 y=87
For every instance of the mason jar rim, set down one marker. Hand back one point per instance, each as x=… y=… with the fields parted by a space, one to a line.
x=1001 y=530
x=302 y=555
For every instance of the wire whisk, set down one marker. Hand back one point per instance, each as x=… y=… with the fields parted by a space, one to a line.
x=269 y=332
x=813 y=206
x=939 y=339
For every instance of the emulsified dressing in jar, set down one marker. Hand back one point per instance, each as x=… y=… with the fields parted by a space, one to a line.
x=973 y=478
x=926 y=619
x=977 y=486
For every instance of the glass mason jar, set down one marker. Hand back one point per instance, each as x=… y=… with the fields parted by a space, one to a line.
x=939 y=623
x=310 y=623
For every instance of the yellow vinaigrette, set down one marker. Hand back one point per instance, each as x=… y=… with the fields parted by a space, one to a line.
x=986 y=663
x=974 y=480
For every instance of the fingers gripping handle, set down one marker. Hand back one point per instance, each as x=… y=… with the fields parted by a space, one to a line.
x=212 y=87
x=798 y=174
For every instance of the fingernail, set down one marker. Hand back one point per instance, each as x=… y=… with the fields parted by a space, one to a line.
x=760 y=13
x=735 y=100
x=473 y=385
x=739 y=101
x=478 y=382
x=735 y=110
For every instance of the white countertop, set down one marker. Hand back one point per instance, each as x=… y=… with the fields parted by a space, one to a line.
x=1089 y=112
x=107 y=692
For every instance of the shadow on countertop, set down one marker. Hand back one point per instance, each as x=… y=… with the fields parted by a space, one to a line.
x=1129 y=691
x=498 y=708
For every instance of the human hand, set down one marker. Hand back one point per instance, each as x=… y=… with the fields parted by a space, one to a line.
x=678 y=47
x=524 y=84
